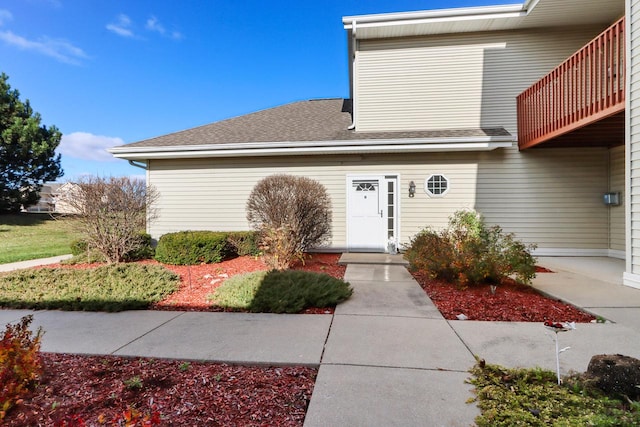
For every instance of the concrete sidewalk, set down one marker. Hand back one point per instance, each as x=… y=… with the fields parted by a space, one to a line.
x=386 y=357
x=33 y=263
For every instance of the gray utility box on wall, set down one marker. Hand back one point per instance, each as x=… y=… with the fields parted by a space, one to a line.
x=612 y=199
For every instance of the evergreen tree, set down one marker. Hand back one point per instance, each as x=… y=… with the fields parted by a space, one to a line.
x=27 y=151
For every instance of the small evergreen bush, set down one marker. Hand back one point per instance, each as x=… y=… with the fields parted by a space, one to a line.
x=20 y=364
x=243 y=242
x=113 y=287
x=237 y=292
x=281 y=291
x=192 y=247
x=468 y=252
x=78 y=247
x=144 y=250
x=292 y=291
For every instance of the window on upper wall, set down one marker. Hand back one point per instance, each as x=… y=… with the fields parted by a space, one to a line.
x=436 y=185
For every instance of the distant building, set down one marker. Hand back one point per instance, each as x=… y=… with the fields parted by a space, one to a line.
x=47 y=201
x=54 y=198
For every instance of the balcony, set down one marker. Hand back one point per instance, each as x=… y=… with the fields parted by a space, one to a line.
x=582 y=101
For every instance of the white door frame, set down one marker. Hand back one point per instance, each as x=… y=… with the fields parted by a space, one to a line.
x=384 y=179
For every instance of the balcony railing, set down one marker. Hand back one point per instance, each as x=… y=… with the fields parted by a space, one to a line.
x=587 y=87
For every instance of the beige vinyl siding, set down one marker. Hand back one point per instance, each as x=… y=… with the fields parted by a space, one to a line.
x=633 y=131
x=548 y=197
x=455 y=81
x=616 y=213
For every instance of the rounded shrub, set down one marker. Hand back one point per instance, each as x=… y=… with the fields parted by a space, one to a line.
x=468 y=252
x=292 y=214
x=192 y=247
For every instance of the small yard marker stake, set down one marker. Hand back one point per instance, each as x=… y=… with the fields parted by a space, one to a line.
x=559 y=327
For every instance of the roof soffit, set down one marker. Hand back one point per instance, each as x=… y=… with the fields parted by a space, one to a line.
x=532 y=14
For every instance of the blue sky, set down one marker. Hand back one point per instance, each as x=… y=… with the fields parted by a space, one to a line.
x=118 y=71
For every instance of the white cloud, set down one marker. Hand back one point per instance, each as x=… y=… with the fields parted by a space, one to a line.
x=154 y=25
x=122 y=26
x=5 y=16
x=61 y=50
x=87 y=146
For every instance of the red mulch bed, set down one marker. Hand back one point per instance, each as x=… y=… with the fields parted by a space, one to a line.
x=91 y=389
x=511 y=302
x=199 y=281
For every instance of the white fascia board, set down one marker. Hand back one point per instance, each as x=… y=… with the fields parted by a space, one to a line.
x=311 y=148
x=453 y=14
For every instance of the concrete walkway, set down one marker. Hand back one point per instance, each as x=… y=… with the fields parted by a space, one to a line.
x=33 y=263
x=386 y=357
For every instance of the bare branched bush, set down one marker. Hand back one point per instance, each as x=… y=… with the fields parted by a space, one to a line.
x=111 y=213
x=292 y=214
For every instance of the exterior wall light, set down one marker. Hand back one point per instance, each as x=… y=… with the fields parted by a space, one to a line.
x=412 y=189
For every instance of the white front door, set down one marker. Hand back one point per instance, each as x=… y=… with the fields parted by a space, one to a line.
x=371 y=212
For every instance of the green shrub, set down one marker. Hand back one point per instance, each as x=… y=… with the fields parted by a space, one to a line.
x=243 y=242
x=144 y=250
x=292 y=291
x=113 y=287
x=281 y=291
x=192 y=247
x=468 y=252
x=78 y=247
x=532 y=397
x=237 y=292
x=20 y=363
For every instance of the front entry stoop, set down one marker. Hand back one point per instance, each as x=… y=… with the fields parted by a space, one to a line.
x=371 y=258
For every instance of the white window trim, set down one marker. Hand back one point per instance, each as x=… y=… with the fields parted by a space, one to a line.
x=426 y=185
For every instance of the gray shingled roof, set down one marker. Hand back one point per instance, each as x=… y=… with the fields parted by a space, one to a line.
x=314 y=120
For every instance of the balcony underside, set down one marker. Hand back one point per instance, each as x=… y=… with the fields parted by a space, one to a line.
x=606 y=132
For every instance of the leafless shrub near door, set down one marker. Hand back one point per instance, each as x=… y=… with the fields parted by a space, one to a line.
x=111 y=213
x=292 y=214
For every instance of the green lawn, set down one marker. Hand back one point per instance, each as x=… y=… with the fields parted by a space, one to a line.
x=31 y=236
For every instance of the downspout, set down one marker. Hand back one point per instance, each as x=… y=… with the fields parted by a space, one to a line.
x=138 y=165
x=352 y=58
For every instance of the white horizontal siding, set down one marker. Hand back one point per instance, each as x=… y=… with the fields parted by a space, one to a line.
x=455 y=81
x=549 y=197
x=616 y=213
x=633 y=135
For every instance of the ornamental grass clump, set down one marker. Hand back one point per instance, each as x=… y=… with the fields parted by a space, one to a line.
x=468 y=252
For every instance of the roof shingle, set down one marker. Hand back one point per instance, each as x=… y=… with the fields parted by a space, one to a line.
x=313 y=120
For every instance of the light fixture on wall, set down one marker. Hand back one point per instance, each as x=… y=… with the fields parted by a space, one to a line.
x=412 y=189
